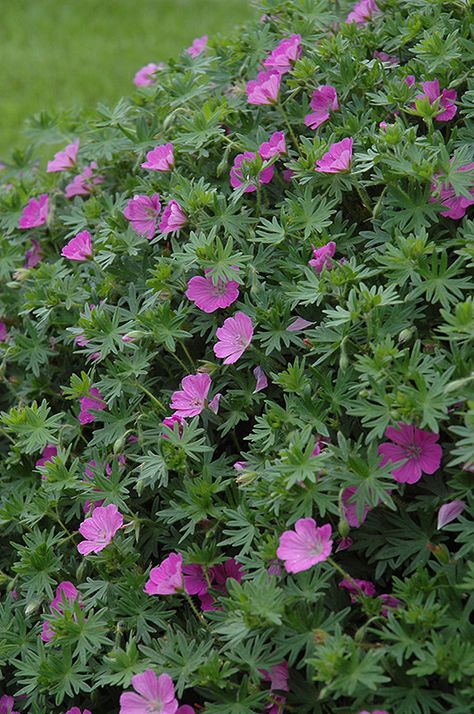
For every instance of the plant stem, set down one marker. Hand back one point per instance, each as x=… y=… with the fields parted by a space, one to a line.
x=186 y=352
x=193 y=607
x=152 y=396
x=345 y=575
x=287 y=122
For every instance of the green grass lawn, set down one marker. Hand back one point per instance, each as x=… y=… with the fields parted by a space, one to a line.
x=73 y=53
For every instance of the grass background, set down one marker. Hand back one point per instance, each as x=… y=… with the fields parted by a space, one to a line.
x=59 y=54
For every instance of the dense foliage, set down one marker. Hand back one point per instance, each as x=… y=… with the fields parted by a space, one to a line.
x=299 y=251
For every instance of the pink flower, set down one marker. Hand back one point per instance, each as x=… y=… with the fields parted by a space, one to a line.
x=233 y=337
x=344 y=544
x=449 y=512
x=6 y=705
x=65 y=591
x=237 y=177
x=170 y=422
x=198 y=46
x=278 y=677
x=322 y=257
x=228 y=570
x=384 y=57
x=99 y=529
x=210 y=297
x=287 y=175
x=83 y=184
x=447 y=107
x=350 y=509
x=167 y=578
x=323 y=100
x=94 y=401
x=64 y=160
x=275 y=146
x=389 y=602
x=264 y=89
x=305 y=546
x=415 y=450
x=185 y=709
x=142 y=212
x=364 y=587
x=35 y=213
x=362 y=12
x=285 y=54
x=299 y=323
x=456 y=205
x=261 y=379
x=153 y=695
x=76 y=710
x=161 y=158
x=47 y=455
x=173 y=219
x=3 y=332
x=145 y=77
x=195 y=582
x=191 y=399
x=34 y=255
x=338 y=159
x=79 y=248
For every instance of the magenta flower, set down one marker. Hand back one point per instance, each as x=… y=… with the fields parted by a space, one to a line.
x=337 y=160
x=361 y=587
x=195 y=582
x=3 y=332
x=167 y=578
x=185 y=709
x=456 y=205
x=350 y=509
x=210 y=297
x=287 y=175
x=47 y=455
x=214 y=403
x=83 y=184
x=446 y=99
x=323 y=100
x=241 y=162
x=322 y=257
x=264 y=89
x=79 y=248
x=173 y=219
x=362 y=12
x=170 y=422
x=142 y=212
x=64 y=160
x=99 y=529
x=414 y=450
x=198 y=46
x=35 y=213
x=261 y=380
x=34 y=255
x=234 y=337
x=389 y=602
x=76 y=710
x=305 y=546
x=161 y=158
x=275 y=146
x=65 y=591
x=449 y=512
x=94 y=401
x=153 y=695
x=384 y=57
x=6 y=705
x=191 y=399
x=145 y=77
x=285 y=54
x=278 y=678
x=299 y=323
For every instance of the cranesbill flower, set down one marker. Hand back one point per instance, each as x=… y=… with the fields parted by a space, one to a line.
x=161 y=158
x=305 y=546
x=47 y=455
x=185 y=709
x=76 y=710
x=323 y=101
x=83 y=184
x=6 y=705
x=389 y=602
x=337 y=160
x=93 y=401
x=261 y=379
x=275 y=146
x=173 y=218
x=195 y=582
x=33 y=255
x=35 y=213
x=446 y=99
x=233 y=337
x=143 y=212
x=414 y=450
x=299 y=323
x=350 y=509
x=455 y=205
x=357 y=587
x=362 y=12
x=99 y=529
x=190 y=400
x=322 y=257
x=153 y=695
x=384 y=57
x=65 y=591
x=237 y=178
x=167 y=578
x=170 y=422
x=209 y=296
x=145 y=77
x=198 y=46
x=278 y=676
x=449 y=512
x=264 y=89
x=64 y=160
x=78 y=248
x=3 y=332
x=285 y=54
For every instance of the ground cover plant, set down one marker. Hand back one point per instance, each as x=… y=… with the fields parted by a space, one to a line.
x=237 y=407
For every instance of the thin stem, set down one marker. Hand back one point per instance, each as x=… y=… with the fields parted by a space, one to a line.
x=186 y=352
x=287 y=122
x=259 y=199
x=363 y=195
x=178 y=359
x=193 y=607
x=152 y=396
x=346 y=575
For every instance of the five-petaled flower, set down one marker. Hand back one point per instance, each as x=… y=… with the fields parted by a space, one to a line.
x=166 y=578
x=198 y=46
x=234 y=337
x=143 y=212
x=305 y=546
x=145 y=77
x=210 y=296
x=35 y=213
x=99 y=529
x=78 y=248
x=413 y=452
x=323 y=101
x=152 y=695
x=322 y=257
x=285 y=54
x=64 y=160
x=173 y=218
x=337 y=160
x=264 y=89
x=161 y=158
x=190 y=400
x=241 y=162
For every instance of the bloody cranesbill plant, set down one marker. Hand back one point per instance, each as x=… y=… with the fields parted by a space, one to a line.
x=236 y=394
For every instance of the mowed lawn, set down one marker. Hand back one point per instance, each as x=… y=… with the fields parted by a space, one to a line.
x=72 y=53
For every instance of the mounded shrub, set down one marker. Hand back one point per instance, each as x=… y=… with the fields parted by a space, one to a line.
x=236 y=435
